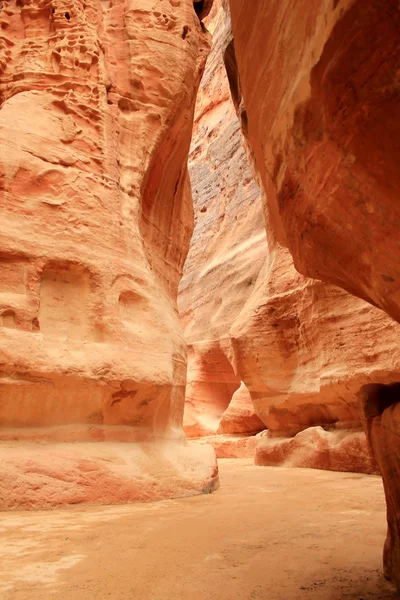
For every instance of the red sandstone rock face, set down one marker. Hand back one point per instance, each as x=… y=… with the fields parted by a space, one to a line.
x=320 y=86
x=382 y=419
x=97 y=100
x=227 y=250
x=239 y=417
x=38 y=475
x=302 y=348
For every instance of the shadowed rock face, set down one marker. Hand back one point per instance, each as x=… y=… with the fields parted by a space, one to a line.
x=321 y=90
x=202 y=7
x=381 y=404
x=97 y=101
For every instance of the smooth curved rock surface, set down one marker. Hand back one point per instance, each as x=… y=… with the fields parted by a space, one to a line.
x=320 y=85
x=96 y=114
x=303 y=348
x=34 y=475
x=240 y=417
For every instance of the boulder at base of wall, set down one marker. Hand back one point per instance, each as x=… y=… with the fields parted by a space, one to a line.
x=317 y=448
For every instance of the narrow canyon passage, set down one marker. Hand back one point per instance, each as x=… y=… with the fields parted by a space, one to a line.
x=267 y=533
x=199 y=241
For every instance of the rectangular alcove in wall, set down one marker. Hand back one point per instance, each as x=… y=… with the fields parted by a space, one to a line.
x=65 y=303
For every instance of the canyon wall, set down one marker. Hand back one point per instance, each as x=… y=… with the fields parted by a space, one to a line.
x=300 y=349
x=227 y=251
x=97 y=102
x=324 y=123
x=320 y=85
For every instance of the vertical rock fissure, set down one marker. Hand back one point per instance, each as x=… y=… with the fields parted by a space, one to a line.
x=226 y=254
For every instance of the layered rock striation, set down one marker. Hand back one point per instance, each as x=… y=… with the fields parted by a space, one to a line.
x=227 y=251
x=323 y=123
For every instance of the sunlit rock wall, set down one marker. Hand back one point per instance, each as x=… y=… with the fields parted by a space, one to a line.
x=97 y=102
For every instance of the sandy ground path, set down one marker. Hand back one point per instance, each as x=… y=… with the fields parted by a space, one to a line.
x=268 y=533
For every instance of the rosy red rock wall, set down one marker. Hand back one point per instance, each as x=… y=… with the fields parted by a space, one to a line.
x=301 y=348
x=320 y=85
x=382 y=420
x=97 y=101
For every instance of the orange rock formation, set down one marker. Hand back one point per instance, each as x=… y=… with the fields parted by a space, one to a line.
x=324 y=124
x=320 y=86
x=317 y=448
x=382 y=419
x=97 y=102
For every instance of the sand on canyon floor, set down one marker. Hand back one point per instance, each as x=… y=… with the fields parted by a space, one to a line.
x=267 y=533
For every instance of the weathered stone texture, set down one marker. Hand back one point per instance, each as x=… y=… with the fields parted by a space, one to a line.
x=97 y=101
x=227 y=250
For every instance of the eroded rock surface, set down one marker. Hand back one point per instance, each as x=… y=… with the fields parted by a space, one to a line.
x=97 y=101
x=227 y=250
x=316 y=448
x=232 y=446
x=381 y=405
x=304 y=348
x=240 y=417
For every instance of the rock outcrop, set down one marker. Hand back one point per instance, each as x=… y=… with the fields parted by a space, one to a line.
x=316 y=448
x=320 y=85
x=239 y=417
x=232 y=446
x=97 y=101
x=304 y=348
